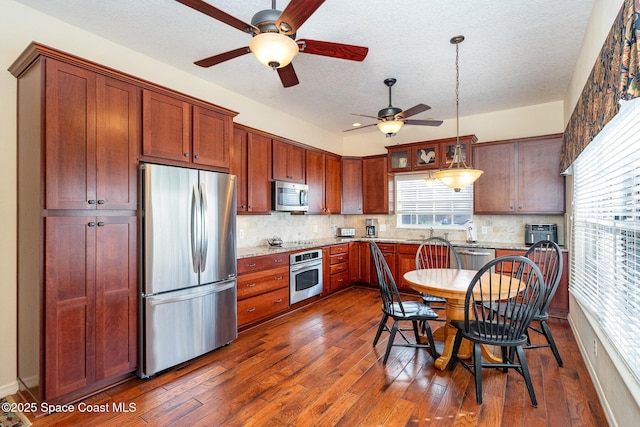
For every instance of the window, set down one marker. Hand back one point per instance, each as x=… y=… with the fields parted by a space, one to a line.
x=419 y=205
x=605 y=273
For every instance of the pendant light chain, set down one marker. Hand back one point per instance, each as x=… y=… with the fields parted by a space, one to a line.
x=457 y=95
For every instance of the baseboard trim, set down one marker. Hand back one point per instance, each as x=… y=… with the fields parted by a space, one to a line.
x=7 y=389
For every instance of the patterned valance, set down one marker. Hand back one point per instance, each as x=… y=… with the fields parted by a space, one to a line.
x=614 y=77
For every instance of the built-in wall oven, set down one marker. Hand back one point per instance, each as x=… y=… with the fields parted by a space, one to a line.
x=305 y=275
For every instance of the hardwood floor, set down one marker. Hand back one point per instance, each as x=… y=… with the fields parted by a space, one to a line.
x=317 y=366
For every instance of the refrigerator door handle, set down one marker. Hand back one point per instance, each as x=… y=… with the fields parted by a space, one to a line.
x=204 y=232
x=157 y=300
x=195 y=230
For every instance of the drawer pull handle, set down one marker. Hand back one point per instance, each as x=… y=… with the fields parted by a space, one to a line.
x=250 y=285
x=277 y=278
x=251 y=310
x=251 y=265
x=278 y=300
x=340 y=280
x=277 y=260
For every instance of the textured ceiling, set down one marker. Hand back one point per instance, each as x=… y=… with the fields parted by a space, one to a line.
x=516 y=53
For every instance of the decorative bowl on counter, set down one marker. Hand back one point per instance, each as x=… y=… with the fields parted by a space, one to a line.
x=275 y=241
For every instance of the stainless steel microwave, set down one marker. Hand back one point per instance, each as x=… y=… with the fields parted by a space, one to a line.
x=289 y=197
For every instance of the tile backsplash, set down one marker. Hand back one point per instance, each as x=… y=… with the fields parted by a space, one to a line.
x=254 y=230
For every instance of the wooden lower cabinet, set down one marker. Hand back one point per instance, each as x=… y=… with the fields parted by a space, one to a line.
x=338 y=266
x=263 y=287
x=406 y=261
x=90 y=320
x=559 y=306
x=389 y=253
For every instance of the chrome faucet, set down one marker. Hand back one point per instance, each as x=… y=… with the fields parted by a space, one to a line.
x=431 y=232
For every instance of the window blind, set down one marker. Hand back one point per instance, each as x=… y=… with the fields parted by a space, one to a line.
x=420 y=205
x=605 y=272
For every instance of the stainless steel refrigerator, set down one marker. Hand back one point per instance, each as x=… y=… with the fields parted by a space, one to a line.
x=188 y=265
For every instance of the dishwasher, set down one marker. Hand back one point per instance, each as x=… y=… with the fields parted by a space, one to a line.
x=473 y=258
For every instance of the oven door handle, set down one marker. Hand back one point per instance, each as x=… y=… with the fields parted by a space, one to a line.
x=296 y=268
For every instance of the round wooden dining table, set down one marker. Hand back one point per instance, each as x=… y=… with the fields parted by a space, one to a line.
x=450 y=284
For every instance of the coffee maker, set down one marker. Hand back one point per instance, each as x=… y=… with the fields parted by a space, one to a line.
x=371 y=227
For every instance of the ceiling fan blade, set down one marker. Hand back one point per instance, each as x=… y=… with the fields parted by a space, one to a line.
x=295 y=14
x=288 y=76
x=334 y=50
x=219 y=15
x=221 y=57
x=416 y=109
x=423 y=122
x=359 y=127
x=364 y=115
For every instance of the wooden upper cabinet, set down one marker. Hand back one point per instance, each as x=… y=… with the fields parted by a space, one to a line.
x=351 y=186
x=325 y=182
x=211 y=137
x=333 y=184
x=541 y=186
x=118 y=142
x=288 y=162
x=250 y=163
x=375 y=185
x=92 y=138
x=520 y=177
x=495 y=190
x=166 y=127
x=428 y=155
x=176 y=130
x=315 y=170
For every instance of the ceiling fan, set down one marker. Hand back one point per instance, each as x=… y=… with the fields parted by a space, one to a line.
x=274 y=33
x=393 y=118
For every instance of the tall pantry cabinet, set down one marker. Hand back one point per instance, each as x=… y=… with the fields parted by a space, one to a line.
x=78 y=143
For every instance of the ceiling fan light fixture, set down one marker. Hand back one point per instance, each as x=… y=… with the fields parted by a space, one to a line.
x=274 y=50
x=390 y=126
x=458 y=175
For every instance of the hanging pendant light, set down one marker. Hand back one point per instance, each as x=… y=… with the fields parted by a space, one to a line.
x=458 y=175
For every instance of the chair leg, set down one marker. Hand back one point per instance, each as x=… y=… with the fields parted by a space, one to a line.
x=383 y=322
x=392 y=337
x=547 y=334
x=432 y=344
x=527 y=377
x=454 y=353
x=477 y=370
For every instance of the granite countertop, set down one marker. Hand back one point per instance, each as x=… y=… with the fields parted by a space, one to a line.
x=298 y=246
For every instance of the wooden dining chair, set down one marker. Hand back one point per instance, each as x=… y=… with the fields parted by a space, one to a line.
x=436 y=252
x=393 y=307
x=509 y=331
x=548 y=257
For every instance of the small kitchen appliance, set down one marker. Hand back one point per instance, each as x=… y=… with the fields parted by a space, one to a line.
x=346 y=232
x=534 y=233
x=305 y=275
x=289 y=197
x=371 y=227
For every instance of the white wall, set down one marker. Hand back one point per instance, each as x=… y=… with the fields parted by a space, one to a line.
x=618 y=390
x=522 y=122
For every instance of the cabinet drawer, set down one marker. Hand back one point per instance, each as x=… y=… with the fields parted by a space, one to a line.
x=259 y=282
x=337 y=259
x=339 y=268
x=258 y=263
x=339 y=249
x=387 y=247
x=339 y=280
x=260 y=306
